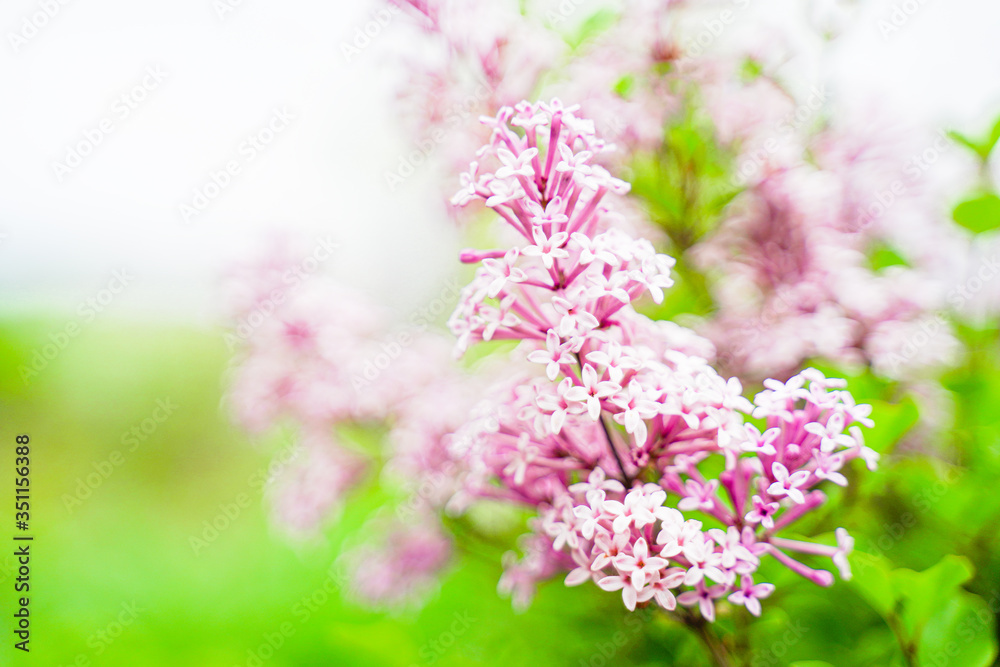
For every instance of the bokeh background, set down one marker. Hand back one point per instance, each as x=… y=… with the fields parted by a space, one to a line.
x=119 y=575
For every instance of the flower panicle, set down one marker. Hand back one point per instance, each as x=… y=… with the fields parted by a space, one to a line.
x=607 y=441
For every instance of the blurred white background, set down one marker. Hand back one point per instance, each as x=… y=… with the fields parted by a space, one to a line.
x=228 y=64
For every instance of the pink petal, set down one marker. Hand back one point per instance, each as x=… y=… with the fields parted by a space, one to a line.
x=577 y=576
x=629 y=597
x=611 y=583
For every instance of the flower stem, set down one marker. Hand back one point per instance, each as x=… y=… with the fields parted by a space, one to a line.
x=741 y=645
x=715 y=646
x=712 y=643
x=908 y=648
x=614 y=450
x=607 y=434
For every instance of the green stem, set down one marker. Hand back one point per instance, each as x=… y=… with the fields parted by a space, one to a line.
x=741 y=647
x=908 y=648
x=696 y=282
x=614 y=450
x=713 y=644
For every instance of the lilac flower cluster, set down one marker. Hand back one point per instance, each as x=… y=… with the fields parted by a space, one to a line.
x=787 y=261
x=613 y=437
x=312 y=364
x=792 y=280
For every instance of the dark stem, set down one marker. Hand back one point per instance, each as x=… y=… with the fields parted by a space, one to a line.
x=713 y=643
x=614 y=450
x=607 y=435
x=702 y=628
x=908 y=648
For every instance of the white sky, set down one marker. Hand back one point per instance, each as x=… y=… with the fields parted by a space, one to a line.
x=225 y=76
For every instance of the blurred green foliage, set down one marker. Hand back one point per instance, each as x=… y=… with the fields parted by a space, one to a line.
x=979 y=214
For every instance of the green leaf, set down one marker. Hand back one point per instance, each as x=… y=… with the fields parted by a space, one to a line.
x=688 y=142
x=681 y=299
x=969 y=143
x=960 y=633
x=367 y=639
x=924 y=593
x=810 y=663
x=871 y=581
x=883 y=256
x=981 y=148
x=934 y=614
x=650 y=183
x=591 y=27
x=994 y=137
x=624 y=85
x=751 y=69
x=485 y=349
x=979 y=214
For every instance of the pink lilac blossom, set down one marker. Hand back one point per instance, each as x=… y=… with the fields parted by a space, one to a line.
x=607 y=439
x=298 y=358
x=402 y=568
x=791 y=255
x=792 y=283
x=788 y=266
x=311 y=489
x=463 y=58
x=312 y=357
